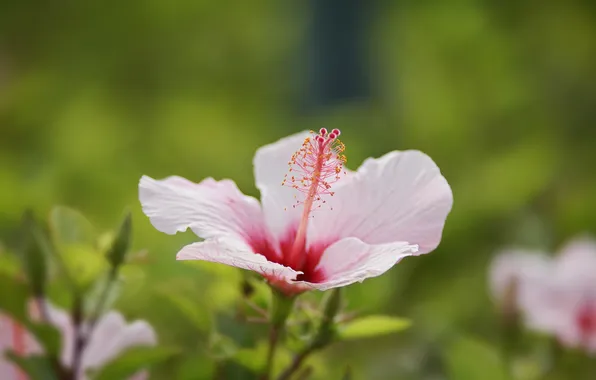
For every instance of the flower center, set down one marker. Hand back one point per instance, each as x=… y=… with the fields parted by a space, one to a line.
x=313 y=169
x=586 y=321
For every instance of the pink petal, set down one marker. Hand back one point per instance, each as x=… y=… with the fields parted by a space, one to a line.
x=112 y=337
x=61 y=320
x=576 y=264
x=58 y=318
x=523 y=267
x=235 y=253
x=401 y=196
x=7 y=369
x=270 y=166
x=210 y=208
x=351 y=260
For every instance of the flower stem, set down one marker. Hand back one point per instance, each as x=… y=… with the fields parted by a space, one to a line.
x=324 y=336
x=281 y=306
x=273 y=340
x=79 y=338
x=297 y=362
x=102 y=299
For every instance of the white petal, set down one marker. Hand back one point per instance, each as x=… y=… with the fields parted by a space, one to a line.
x=401 y=196
x=270 y=166
x=351 y=260
x=210 y=208
x=112 y=336
x=235 y=253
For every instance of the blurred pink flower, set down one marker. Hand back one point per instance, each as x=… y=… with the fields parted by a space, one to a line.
x=511 y=270
x=556 y=295
x=318 y=225
x=111 y=337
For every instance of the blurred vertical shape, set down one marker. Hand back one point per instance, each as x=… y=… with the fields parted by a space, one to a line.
x=4 y=71
x=337 y=58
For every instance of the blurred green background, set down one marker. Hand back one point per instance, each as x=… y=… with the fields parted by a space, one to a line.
x=502 y=95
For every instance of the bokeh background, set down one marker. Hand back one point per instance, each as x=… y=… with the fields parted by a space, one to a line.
x=502 y=95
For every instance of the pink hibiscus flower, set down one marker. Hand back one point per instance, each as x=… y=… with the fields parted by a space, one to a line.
x=111 y=337
x=556 y=295
x=318 y=225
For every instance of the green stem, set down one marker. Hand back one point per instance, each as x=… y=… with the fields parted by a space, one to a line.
x=273 y=340
x=79 y=338
x=102 y=300
x=297 y=362
x=324 y=336
x=281 y=307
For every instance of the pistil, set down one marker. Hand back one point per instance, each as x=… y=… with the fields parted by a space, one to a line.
x=318 y=163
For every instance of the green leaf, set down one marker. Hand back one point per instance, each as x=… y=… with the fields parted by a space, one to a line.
x=75 y=240
x=105 y=290
x=47 y=335
x=13 y=302
x=134 y=360
x=195 y=366
x=69 y=226
x=35 y=249
x=37 y=367
x=9 y=264
x=254 y=358
x=189 y=308
x=221 y=347
x=121 y=243
x=373 y=325
x=84 y=264
x=470 y=359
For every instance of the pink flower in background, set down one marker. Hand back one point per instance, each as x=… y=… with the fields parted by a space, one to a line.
x=111 y=337
x=511 y=270
x=557 y=295
x=318 y=225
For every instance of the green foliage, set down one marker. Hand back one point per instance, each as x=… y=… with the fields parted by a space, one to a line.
x=47 y=336
x=121 y=243
x=500 y=96
x=13 y=302
x=84 y=264
x=71 y=227
x=470 y=359
x=254 y=358
x=34 y=252
x=347 y=374
x=35 y=366
x=221 y=347
x=77 y=251
x=188 y=307
x=134 y=360
x=106 y=290
x=373 y=325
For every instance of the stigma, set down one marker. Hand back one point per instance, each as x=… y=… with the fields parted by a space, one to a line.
x=314 y=168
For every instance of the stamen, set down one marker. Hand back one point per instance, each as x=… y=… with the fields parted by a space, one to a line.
x=314 y=167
